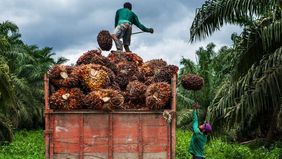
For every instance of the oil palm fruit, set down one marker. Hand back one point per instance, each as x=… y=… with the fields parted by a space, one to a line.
x=158 y=95
x=104 y=40
x=66 y=99
x=192 y=82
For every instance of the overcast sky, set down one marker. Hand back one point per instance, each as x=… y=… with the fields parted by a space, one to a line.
x=70 y=27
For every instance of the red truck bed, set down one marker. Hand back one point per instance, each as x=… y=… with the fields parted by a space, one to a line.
x=114 y=135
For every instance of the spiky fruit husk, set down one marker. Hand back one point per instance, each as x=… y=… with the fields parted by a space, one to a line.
x=132 y=104
x=94 y=77
x=92 y=101
x=149 y=80
x=62 y=76
x=122 y=80
x=114 y=85
x=95 y=57
x=104 y=40
x=166 y=73
x=56 y=70
x=128 y=68
x=104 y=99
x=66 y=99
x=140 y=76
x=192 y=82
x=150 y=68
x=117 y=57
x=69 y=82
x=87 y=57
x=136 y=91
x=158 y=95
x=128 y=71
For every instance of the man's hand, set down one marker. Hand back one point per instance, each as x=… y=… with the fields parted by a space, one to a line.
x=195 y=106
x=151 y=30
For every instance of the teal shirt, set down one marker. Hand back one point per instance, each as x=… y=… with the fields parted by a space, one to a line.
x=125 y=15
x=198 y=140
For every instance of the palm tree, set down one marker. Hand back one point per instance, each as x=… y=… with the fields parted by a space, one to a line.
x=21 y=81
x=213 y=67
x=252 y=95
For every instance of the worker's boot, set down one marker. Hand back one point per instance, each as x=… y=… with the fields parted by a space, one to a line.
x=126 y=47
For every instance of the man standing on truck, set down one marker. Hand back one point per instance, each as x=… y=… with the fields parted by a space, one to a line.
x=199 y=138
x=123 y=26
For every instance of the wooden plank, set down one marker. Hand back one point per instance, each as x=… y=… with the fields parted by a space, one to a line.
x=81 y=137
x=173 y=122
x=140 y=138
x=47 y=117
x=110 y=148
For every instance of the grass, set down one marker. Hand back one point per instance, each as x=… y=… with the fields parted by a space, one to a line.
x=25 y=145
x=218 y=149
x=30 y=145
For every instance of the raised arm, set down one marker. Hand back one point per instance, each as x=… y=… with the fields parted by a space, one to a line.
x=138 y=24
x=195 y=122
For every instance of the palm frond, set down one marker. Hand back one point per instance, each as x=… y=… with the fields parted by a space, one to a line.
x=183 y=101
x=259 y=90
x=279 y=116
x=272 y=35
x=7 y=26
x=248 y=50
x=7 y=93
x=62 y=60
x=215 y=13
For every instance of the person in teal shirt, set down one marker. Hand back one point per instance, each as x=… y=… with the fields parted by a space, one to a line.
x=199 y=138
x=124 y=20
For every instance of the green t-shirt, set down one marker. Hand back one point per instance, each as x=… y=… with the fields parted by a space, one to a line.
x=198 y=140
x=125 y=15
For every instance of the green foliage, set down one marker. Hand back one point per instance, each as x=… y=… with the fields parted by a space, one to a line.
x=184 y=118
x=259 y=86
x=214 y=67
x=183 y=139
x=219 y=149
x=252 y=94
x=21 y=80
x=25 y=145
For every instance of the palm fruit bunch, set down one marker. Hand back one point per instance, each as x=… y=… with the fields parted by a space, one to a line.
x=104 y=99
x=127 y=68
x=135 y=92
x=127 y=71
x=122 y=81
x=114 y=85
x=63 y=76
x=150 y=68
x=149 y=80
x=192 y=82
x=105 y=41
x=158 y=95
x=92 y=101
x=119 y=81
x=166 y=73
x=67 y=99
x=94 y=77
x=95 y=57
x=117 y=57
